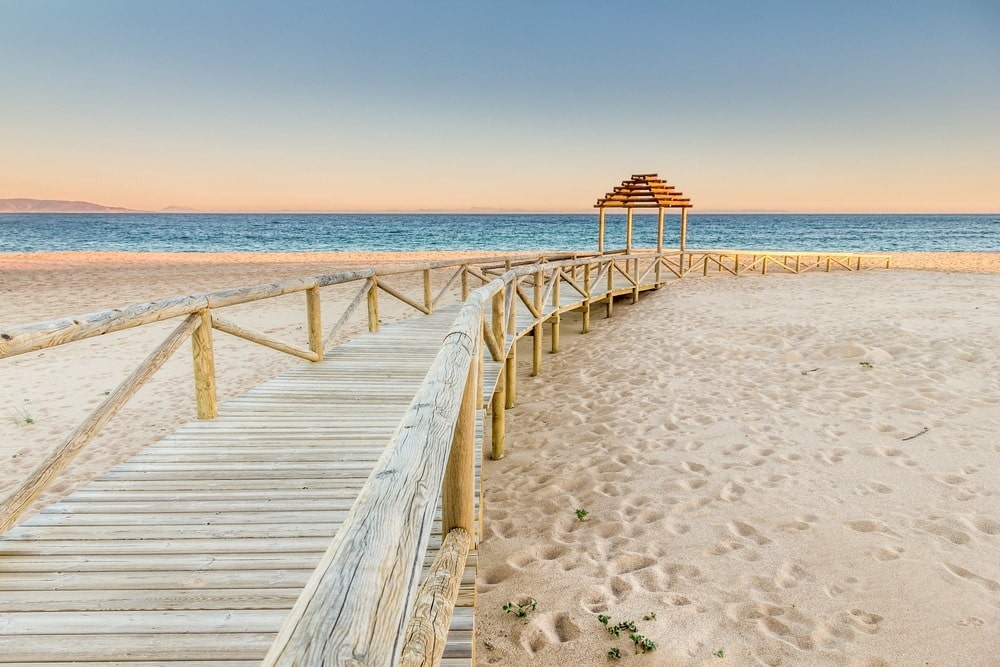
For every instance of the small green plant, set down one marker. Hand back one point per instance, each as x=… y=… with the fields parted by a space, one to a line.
x=720 y=654
x=522 y=608
x=581 y=514
x=107 y=393
x=20 y=416
x=642 y=644
x=866 y=364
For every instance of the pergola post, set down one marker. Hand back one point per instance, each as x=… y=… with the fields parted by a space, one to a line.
x=600 y=231
x=684 y=228
x=659 y=243
x=628 y=231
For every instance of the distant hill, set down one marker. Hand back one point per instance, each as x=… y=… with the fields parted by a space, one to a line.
x=178 y=209
x=56 y=206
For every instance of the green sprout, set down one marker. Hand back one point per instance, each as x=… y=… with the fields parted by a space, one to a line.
x=651 y=616
x=866 y=364
x=615 y=653
x=522 y=608
x=642 y=644
x=720 y=654
x=581 y=514
x=603 y=618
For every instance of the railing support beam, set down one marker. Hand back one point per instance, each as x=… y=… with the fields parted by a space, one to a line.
x=206 y=397
x=373 y=306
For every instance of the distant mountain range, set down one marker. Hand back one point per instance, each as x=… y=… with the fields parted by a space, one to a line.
x=64 y=206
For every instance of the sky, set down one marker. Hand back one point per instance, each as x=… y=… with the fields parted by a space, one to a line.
x=536 y=106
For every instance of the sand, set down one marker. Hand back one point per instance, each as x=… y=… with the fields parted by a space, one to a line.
x=746 y=477
x=789 y=470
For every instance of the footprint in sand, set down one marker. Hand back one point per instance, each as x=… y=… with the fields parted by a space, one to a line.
x=983 y=525
x=953 y=535
x=785 y=625
x=629 y=562
x=547 y=629
x=985 y=582
x=887 y=553
x=867 y=526
x=497 y=574
x=731 y=492
x=747 y=531
x=790 y=575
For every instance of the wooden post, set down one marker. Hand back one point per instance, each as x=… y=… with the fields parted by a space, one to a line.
x=536 y=332
x=659 y=244
x=205 y=394
x=704 y=269
x=600 y=231
x=586 y=297
x=511 y=372
x=683 y=240
x=315 y=321
x=628 y=230
x=499 y=401
x=736 y=265
x=373 y=306
x=828 y=265
x=459 y=487
x=465 y=282
x=428 y=295
x=611 y=287
x=763 y=266
x=511 y=361
x=635 y=277
x=798 y=260
x=684 y=229
x=480 y=370
x=557 y=316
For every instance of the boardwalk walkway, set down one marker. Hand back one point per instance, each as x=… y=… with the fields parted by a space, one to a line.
x=197 y=548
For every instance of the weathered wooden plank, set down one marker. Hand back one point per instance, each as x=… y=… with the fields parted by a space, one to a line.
x=339 y=612
x=170 y=646
x=428 y=629
x=246 y=333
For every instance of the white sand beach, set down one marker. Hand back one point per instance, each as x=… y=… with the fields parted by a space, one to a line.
x=747 y=477
x=786 y=470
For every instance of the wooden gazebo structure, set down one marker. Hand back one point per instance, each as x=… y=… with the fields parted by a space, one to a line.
x=643 y=191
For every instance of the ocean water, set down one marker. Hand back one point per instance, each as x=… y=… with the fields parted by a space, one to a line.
x=343 y=232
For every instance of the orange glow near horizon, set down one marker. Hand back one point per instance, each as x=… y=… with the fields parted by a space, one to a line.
x=397 y=107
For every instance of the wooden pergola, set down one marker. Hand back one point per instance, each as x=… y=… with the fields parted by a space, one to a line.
x=643 y=191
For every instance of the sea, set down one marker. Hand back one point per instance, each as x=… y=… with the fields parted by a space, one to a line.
x=171 y=232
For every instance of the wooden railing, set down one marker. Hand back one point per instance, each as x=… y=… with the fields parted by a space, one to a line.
x=200 y=317
x=362 y=605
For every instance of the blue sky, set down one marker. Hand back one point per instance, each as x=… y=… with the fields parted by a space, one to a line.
x=851 y=106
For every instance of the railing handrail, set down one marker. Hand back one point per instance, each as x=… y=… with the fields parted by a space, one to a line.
x=50 y=333
x=356 y=605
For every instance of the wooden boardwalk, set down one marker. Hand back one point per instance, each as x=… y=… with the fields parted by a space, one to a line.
x=195 y=549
